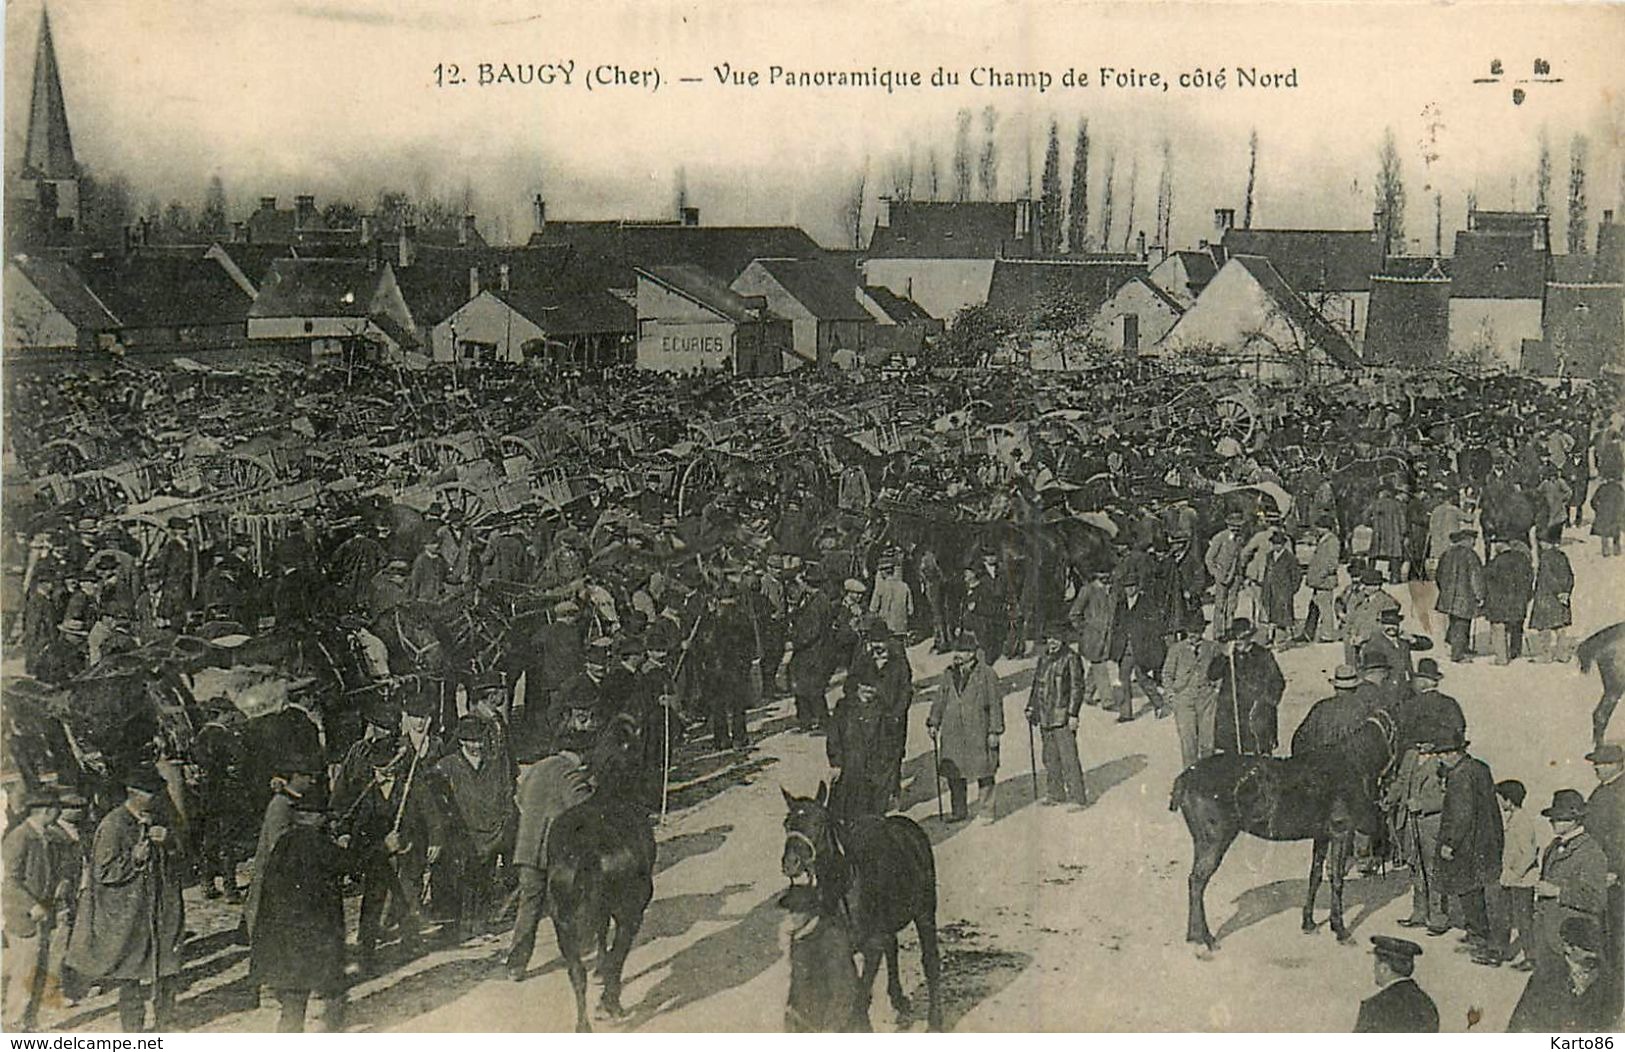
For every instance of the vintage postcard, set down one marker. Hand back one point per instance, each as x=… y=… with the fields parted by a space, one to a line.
x=721 y=516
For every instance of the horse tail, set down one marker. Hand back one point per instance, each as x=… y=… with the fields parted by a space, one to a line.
x=1588 y=651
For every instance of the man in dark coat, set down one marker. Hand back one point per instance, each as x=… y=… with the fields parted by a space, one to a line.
x=987 y=613
x=481 y=788
x=1550 y=613
x=811 y=662
x=859 y=747
x=298 y=943
x=1401 y=1007
x=1461 y=592
x=1279 y=588
x=1053 y=706
x=729 y=649
x=1430 y=706
x=1578 y=994
x=1141 y=626
x=1605 y=821
x=34 y=905
x=134 y=871
x=1470 y=834
x=1509 y=582
x=1331 y=720
x=1093 y=616
x=1250 y=688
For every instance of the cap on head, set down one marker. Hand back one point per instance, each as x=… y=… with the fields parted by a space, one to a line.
x=1400 y=951
x=1390 y=616
x=470 y=729
x=1371 y=577
x=145 y=779
x=1428 y=668
x=1345 y=678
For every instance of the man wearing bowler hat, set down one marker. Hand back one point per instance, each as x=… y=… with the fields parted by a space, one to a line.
x=1573 y=876
x=30 y=900
x=1470 y=834
x=1400 y=1006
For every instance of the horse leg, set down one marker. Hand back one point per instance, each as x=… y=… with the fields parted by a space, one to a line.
x=1604 y=712
x=1211 y=837
x=925 y=927
x=1316 y=864
x=626 y=931
x=894 y=985
x=871 y=953
x=570 y=950
x=1341 y=844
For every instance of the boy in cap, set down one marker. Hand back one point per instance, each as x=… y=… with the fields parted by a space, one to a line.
x=1520 y=869
x=1400 y=1006
x=29 y=896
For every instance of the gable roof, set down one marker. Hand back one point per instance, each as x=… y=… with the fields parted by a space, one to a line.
x=1200 y=267
x=1584 y=326
x=900 y=309
x=64 y=289
x=1610 y=253
x=1155 y=290
x=818 y=286
x=1315 y=330
x=701 y=287
x=724 y=251
x=1409 y=319
x=1313 y=260
x=145 y=289
x=953 y=230
x=1496 y=266
x=317 y=288
x=1021 y=286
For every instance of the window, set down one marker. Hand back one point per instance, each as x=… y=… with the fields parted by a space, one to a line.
x=310 y=326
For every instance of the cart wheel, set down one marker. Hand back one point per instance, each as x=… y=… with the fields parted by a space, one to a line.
x=1232 y=419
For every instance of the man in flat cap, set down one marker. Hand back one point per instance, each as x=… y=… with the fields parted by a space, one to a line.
x=1223 y=563
x=1400 y=1006
x=30 y=896
x=1605 y=819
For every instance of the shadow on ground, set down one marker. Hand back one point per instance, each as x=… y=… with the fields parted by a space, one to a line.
x=1362 y=896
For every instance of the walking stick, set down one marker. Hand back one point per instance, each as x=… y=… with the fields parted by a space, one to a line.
x=665 y=762
x=1235 y=706
x=936 y=769
x=152 y=925
x=1032 y=759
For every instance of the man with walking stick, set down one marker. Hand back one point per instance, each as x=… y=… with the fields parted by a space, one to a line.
x=128 y=930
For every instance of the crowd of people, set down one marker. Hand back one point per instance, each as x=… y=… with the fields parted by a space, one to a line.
x=1137 y=557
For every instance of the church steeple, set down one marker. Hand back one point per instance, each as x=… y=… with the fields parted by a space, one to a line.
x=49 y=173
x=50 y=146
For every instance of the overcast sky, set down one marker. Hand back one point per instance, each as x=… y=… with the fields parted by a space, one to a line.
x=338 y=97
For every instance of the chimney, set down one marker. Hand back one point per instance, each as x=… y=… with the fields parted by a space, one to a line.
x=539 y=213
x=367 y=229
x=756 y=305
x=1607 y=217
x=268 y=204
x=691 y=216
x=146 y=231
x=465 y=232
x=239 y=232
x=502 y=277
x=473 y=281
x=407 y=245
x=1378 y=226
x=304 y=212
x=1139 y=243
x=1223 y=219
x=883 y=219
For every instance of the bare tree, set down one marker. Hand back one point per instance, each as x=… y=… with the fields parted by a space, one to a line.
x=212 y=221
x=962 y=161
x=1391 y=190
x=1579 y=147
x=1543 y=174
x=1252 y=179
x=987 y=170
x=902 y=175
x=1050 y=220
x=852 y=206
x=1106 y=202
x=1133 y=194
x=682 y=189
x=1077 y=234
x=1165 y=196
x=1438 y=223
x=933 y=176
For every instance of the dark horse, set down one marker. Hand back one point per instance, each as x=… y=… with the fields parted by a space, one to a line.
x=1606 y=649
x=878 y=871
x=600 y=870
x=1324 y=795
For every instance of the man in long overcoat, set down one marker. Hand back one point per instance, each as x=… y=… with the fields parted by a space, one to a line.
x=1052 y=706
x=966 y=720
x=298 y=943
x=1093 y=615
x=133 y=894
x=1250 y=688
x=1461 y=591
x=1386 y=517
x=812 y=662
x=1191 y=695
x=859 y=747
x=1470 y=834
x=1550 y=613
x=546 y=790
x=1279 y=589
x=1509 y=584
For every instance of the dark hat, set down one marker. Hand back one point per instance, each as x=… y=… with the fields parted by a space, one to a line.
x=1371 y=658
x=383 y=714
x=1445 y=739
x=1345 y=676
x=1390 y=616
x=302 y=764
x=470 y=729
x=40 y=796
x=1428 y=668
x=313 y=802
x=1581 y=933
x=628 y=645
x=1463 y=534
x=146 y=779
x=420 y=704
x=382 y=753
x=1395 y=949
x=813 y=572
x=1610 y=753
x=1371 y=577
x=1240 y=628
x=1567 y=803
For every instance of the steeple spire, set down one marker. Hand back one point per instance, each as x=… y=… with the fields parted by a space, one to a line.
x=50 y=148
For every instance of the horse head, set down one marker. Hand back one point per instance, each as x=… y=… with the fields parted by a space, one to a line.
x=613 y=754
x=809 y=833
